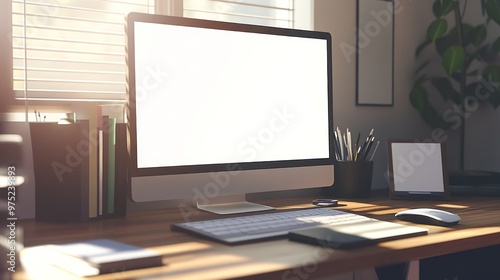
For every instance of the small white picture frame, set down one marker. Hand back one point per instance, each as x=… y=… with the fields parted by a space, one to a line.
x=417 y=169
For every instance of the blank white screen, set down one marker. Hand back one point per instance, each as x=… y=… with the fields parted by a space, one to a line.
x=417 y=167
x=212 y=96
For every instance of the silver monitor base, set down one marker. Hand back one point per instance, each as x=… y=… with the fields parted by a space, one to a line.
x=231 y=204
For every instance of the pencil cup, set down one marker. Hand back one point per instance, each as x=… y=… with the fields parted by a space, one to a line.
x=352 y=179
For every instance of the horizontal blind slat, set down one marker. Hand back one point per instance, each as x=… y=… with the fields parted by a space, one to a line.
x=69 y=50
x=33 y=69
x=60 y=51
x=45 y=6
x=277 y=13
x=70 y=41
x=75 y=50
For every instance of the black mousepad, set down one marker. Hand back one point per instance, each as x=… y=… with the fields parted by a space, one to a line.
x=356 y=234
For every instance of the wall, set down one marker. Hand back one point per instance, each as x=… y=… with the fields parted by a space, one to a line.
x=482 y=149
x=399 y=121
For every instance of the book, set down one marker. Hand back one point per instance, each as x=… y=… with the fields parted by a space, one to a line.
x=100 y=184
x=113 y=170
x=61 y=165
x=111 y=165
x=92 y=257
x=104 y=167
x=84 y=148
x=113 y=160
x=121 y=170
x=116 y=111
x=93 y=156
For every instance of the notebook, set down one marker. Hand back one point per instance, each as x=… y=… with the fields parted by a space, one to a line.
x=90 y=257
x=354 y=234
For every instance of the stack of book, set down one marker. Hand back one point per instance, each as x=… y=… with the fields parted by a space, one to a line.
x=110 y=192
x=81 y=168
x=87 y=258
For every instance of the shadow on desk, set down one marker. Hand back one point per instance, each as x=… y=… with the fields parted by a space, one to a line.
x=474 y=264
x=482 y=190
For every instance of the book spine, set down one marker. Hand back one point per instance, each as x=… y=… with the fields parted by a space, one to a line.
x=105 y=164
x=111 y=164
x=121 y=173
x=84 y=149
x=100 y=174
x=93 y=138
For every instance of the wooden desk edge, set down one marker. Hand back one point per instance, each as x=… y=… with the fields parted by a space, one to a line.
x=286 y=258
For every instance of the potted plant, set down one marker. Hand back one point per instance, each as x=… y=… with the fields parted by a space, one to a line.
x=469 y=73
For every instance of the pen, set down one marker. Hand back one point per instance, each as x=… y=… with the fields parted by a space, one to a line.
x=365 y=154
x=336 y=145
x=374 y=150
x=347 y=150
x=349 y=145
x=341 y=146
x=357 y=144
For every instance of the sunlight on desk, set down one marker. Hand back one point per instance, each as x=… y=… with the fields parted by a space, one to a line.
x=182 y=248
x=445 y=237
x=452 y=206
x=364 y=207
x=222 y=262
x=389 y=211
x=293 y=207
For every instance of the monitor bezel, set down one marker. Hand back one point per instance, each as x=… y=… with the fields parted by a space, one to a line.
x=133 y=18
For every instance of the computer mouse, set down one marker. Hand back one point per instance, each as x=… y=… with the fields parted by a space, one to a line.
x=428 y=216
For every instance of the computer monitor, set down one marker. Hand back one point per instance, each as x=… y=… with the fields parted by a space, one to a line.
x=218 y=110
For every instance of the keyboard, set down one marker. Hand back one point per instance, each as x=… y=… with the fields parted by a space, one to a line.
x=244 y=229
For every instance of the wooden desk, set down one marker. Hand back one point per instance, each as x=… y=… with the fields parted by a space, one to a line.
x=189 y=257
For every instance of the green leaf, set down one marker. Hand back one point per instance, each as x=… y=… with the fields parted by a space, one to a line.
x=470 y=89
x=495 y=98
x=473 y=73
x=467 y=34
x=443 y=43
x=453 y=59
x=432 y=118
x=467 y=31
x=495 y=47
x=478 y=35
x=491 y=74
x=443 y=7
x=437 y=29
x=452 y=38
x=421 y=67
x=482 y=54
x=422 y=47
x=418 y=97
x=445 y=89
x=493 y=10
x=420 y=80
x=481 y=90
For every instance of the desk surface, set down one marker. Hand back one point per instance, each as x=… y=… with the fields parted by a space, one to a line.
x=190 y=257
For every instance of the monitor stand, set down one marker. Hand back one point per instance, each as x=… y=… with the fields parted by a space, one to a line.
x=231 y=204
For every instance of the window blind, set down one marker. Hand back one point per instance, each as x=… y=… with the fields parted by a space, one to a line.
x=71 y=50
x=74 y=50
x=278 y=13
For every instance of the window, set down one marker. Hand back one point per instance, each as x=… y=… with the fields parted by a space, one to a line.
x=277 y=13
x=71 y=49
x=74 y=49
